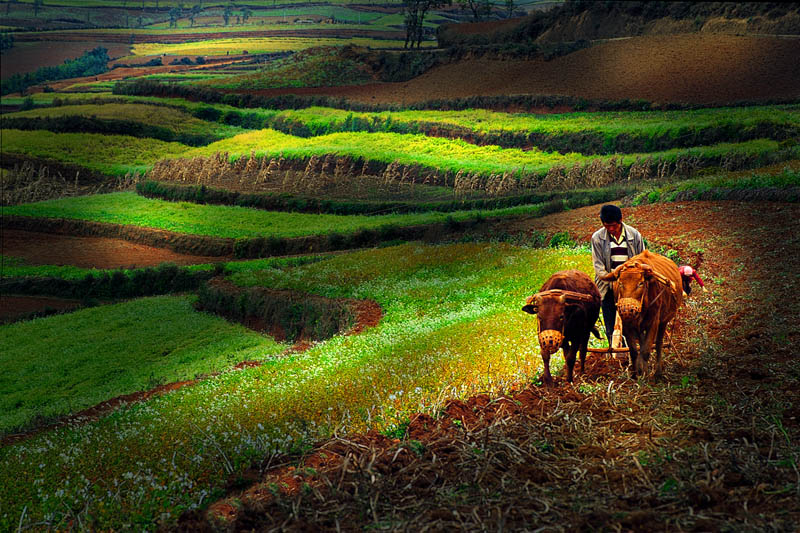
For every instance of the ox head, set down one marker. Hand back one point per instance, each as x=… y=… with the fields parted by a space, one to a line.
x=552 y=309
x=630 y=284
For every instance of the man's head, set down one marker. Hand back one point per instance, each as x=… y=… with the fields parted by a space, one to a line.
x=611 y=217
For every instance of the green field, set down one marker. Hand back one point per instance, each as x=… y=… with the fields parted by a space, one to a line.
x=452 y=327
x=110 y=154
x=118 y=154
x=607 y=125
x=173 y=119
x=218 y=221
x=63 y=364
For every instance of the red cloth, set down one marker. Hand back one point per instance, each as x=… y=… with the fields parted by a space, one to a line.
x=689 y=273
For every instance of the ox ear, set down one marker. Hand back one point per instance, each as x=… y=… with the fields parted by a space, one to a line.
x=531 y=305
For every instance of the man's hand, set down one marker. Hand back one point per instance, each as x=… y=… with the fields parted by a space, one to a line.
x=705 y=290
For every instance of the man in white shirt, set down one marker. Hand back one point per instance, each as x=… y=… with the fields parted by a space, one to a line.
x=612 y=245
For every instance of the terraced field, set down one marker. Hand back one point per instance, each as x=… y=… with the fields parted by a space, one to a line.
x=337 y=341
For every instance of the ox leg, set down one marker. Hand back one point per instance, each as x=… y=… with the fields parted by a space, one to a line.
x=648 y=340
x=662 y=329
x=583 y=348
x=547 y=379
x=633 y=350
x=569 y=357
x=642 y=360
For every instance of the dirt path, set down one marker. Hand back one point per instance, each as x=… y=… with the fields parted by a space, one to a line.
x=713 y=447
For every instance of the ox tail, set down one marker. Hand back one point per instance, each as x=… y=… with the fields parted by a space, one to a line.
x=596 y=332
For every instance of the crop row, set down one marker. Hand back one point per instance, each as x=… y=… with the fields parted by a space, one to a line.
x=150 y=120
x=586 y=133
x=307 y=204
x=414 y=157
x=782 y=185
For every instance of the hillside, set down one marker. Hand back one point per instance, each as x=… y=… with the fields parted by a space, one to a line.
x=586 y=20
x=685 y=68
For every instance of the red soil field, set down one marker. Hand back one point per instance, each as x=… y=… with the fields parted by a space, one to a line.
x=686 y=68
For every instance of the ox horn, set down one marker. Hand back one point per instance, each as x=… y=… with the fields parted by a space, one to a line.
x=562 y=298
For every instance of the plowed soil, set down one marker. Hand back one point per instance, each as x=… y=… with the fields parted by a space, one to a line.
x=90 y=252
x=711 y=447
x=688 y=68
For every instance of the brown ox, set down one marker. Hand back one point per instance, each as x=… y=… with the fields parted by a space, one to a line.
x=567 y=306
x=647 y=288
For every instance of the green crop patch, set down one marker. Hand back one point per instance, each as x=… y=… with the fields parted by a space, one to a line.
x=451 y=327
x=109 y=154
x=604 y=132
x=218 y=221
x=59 y=365
x=140 y=120
x=166 y=117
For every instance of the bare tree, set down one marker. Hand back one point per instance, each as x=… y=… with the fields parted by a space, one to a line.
x=415 y=13
x=174 y=15
x=194 y=12
x=479 y=8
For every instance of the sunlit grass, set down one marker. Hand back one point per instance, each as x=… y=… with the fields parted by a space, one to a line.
x=260 y=45
x=166 y=117
x=110 y=154
x=651 y=124
x=452 y=327
x=218 y=221
x=117 y=154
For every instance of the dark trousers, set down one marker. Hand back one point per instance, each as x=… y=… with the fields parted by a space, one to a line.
x=609 y=307
x=687 y=287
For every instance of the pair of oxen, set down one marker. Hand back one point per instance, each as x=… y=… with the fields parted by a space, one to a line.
x=648 y=293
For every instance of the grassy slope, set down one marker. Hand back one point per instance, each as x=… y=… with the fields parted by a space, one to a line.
x=218 y=221
x=62 y=364
x=649 y=123
x=166 y=117
x=110 y=154
x=452 y=327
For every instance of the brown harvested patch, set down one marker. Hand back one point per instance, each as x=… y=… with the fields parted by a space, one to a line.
x=91 y=252
x=28 y=56
x=15 y=307
x=688 y=68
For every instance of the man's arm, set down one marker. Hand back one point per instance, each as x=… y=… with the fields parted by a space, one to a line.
x=598 y=259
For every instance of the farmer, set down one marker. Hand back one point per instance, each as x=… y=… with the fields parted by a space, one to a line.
x=612 y=245
x=687 y=275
